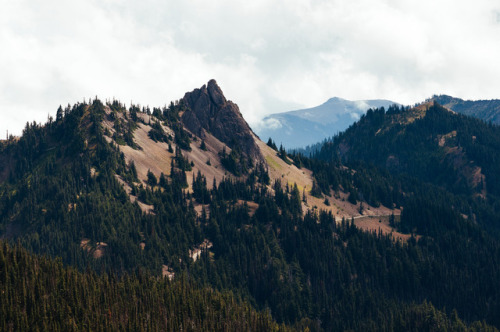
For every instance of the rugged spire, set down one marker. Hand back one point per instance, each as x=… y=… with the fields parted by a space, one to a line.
x=209 y=110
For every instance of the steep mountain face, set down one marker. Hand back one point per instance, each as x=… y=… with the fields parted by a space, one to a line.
x=209 y=111
x=487 y=110
x=300 y=128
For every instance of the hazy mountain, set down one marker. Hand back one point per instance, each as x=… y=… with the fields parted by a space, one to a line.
x=487 y=110
x=308 y=126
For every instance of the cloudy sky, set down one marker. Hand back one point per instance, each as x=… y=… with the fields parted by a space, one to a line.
x=268 y=56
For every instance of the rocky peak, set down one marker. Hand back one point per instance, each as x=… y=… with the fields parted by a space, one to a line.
x=215 y=93
x=208 y=110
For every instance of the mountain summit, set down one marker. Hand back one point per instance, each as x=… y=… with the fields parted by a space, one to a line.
x=304 y=127
x=209 y=111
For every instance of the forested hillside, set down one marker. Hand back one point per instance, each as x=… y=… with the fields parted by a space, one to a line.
x=453 y=153
x=486 y=110
x=37 y=293
x=429 y=142
x=234 y=234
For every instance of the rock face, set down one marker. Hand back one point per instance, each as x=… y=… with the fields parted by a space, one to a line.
x=208 y=110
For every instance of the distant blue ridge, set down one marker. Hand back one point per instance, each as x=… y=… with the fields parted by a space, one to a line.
x=300 y=128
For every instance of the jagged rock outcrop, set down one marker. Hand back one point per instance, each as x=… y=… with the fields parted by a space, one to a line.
x=208 y=110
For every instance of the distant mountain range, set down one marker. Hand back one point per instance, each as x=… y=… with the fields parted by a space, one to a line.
x=301 y=128
x=487 y=110
x=304 y=127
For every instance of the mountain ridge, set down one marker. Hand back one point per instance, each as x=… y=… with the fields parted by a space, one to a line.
x=299 y=128
x=487 y=110
x=456 y=144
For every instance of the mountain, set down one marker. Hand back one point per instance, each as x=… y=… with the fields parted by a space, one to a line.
x=181 y=218
x=428 y=142
x=209 y=111
x=487 y=110
x=296 y=129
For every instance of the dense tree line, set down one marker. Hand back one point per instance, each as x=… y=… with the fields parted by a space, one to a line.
x=388 y=155
x=303 y=269
x=37 y=293
x=429 y=147
x=345 y=278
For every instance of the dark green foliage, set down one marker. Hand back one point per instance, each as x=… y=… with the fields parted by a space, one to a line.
x=181 y=162
x=297 y=159
x=200 y=191
x=170 y=117
x=435 y=212
x=371 y=279
x=235 y=162
x=421 y=148
x=203 y=146
x=39 y=293
x=157 y=134
x=316 y=190
x=271 y=144
x=182 y=138
x=171 y=114
x=257 y=176
x=390 y=155
x=152 y=181
x=64 y=193
x=133 y=110
x=353 y=196
x=133 y=171
x=123 y=128
x=304 y=269
x=282 y=154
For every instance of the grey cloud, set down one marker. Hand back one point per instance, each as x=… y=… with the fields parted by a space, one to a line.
x=267 y=55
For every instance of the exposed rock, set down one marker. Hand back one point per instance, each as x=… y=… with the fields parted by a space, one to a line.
x=167 y=272
x=208 y=110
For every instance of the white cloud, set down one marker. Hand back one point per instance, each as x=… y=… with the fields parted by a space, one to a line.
x=271 y=123
x=361 y=105
x=268 y=56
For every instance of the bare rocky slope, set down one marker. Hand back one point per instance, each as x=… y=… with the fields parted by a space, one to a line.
x=208 y=111
x=212 y=119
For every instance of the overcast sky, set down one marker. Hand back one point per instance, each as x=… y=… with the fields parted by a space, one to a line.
x=268 y=56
